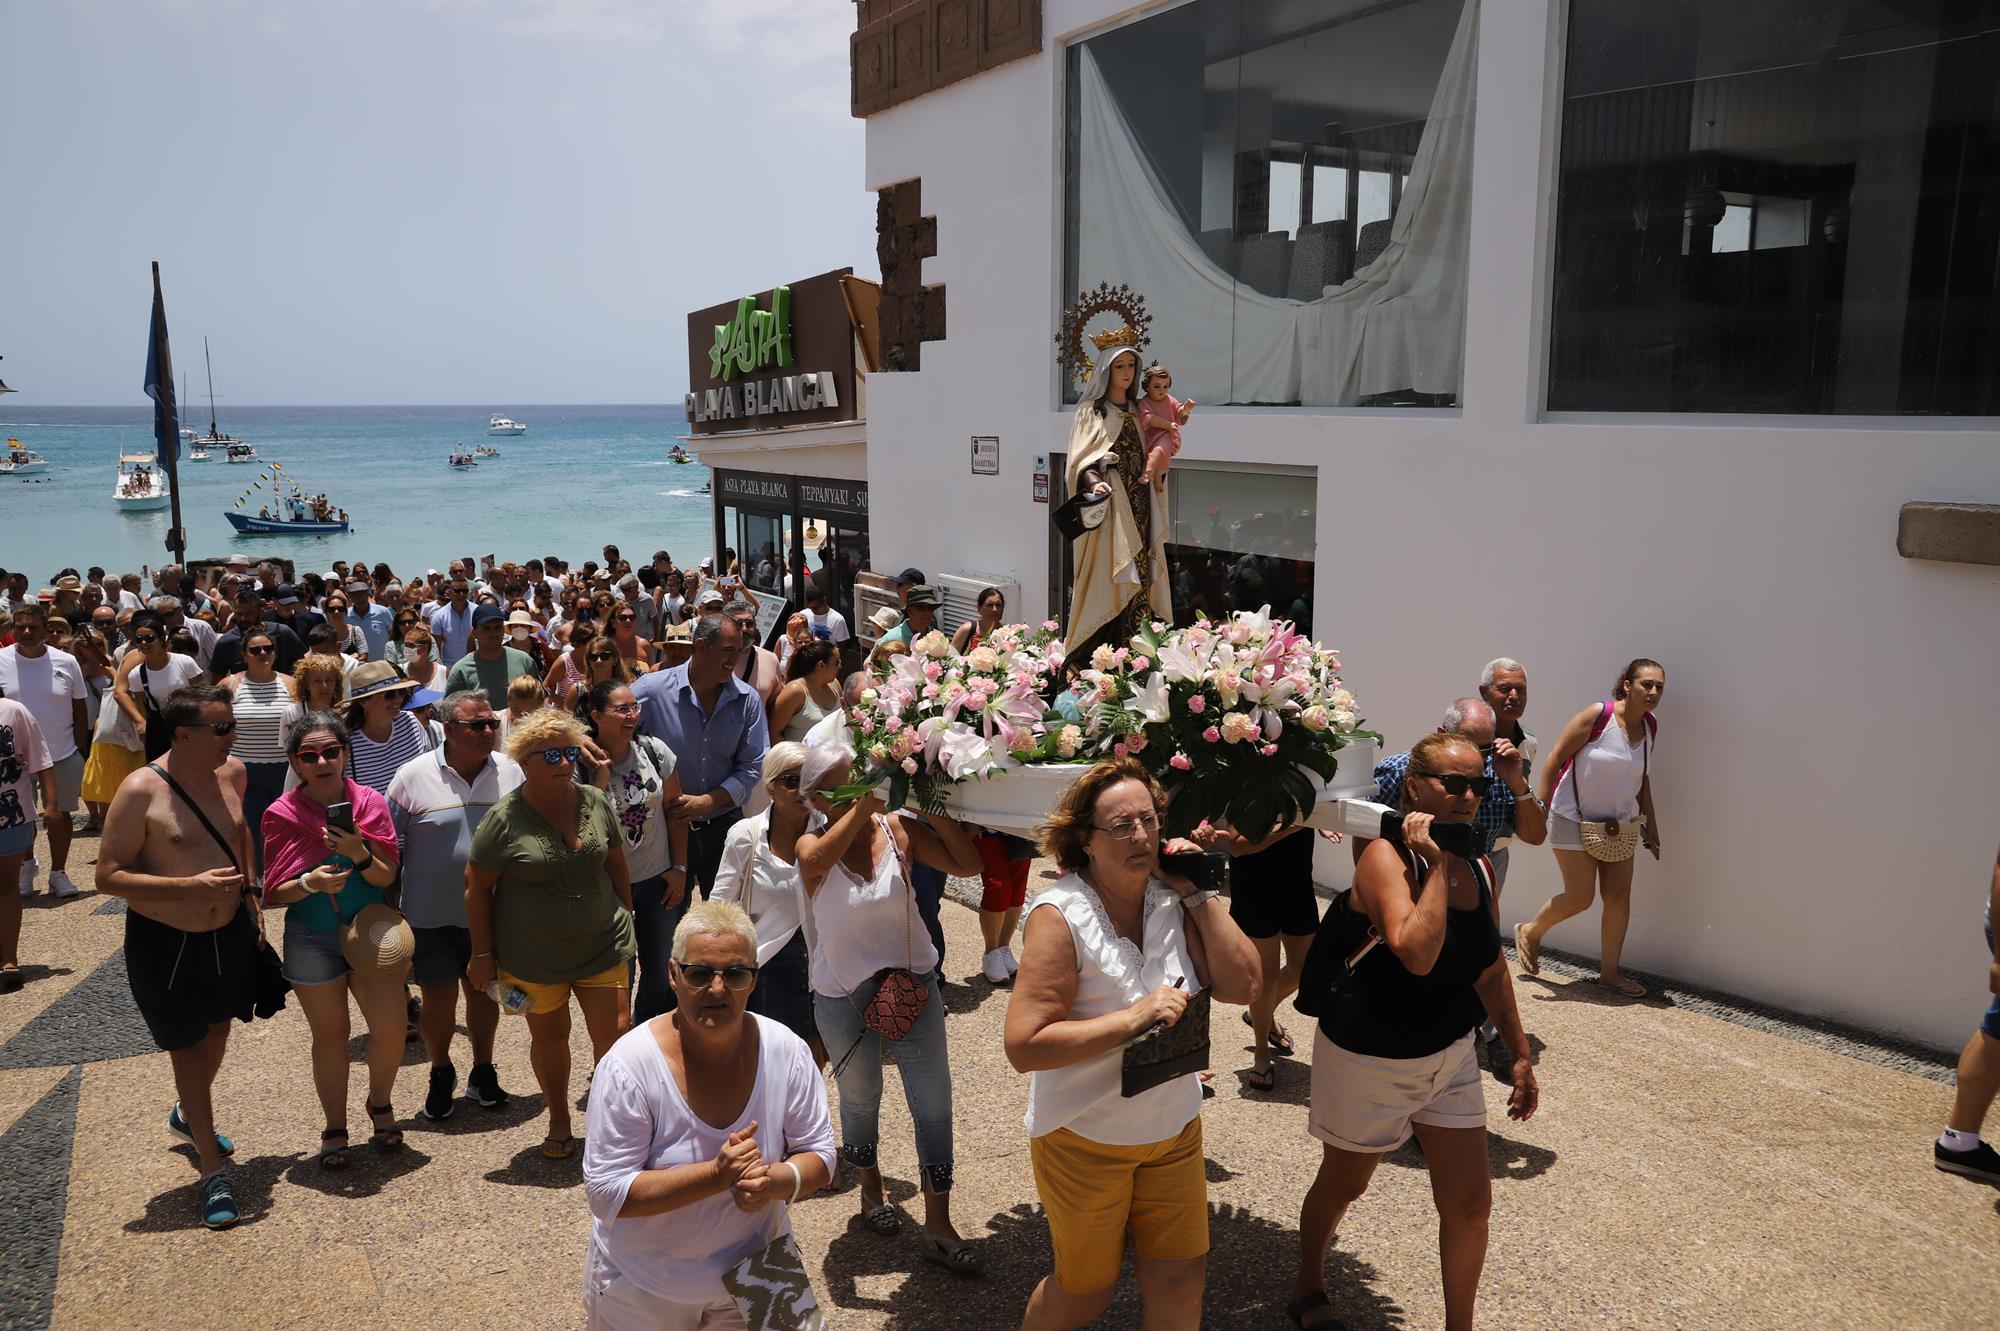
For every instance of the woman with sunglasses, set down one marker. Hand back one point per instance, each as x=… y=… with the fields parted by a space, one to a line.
x=325 y=875
x=760 y=873
x=261 y=699
x=700 y=1120
x=548 y=898
x=1394 y=1051
x=856 y=874
x=640 y=781
x=634 y=651
x=384 y=735
x=147 y=677
x=603 y=664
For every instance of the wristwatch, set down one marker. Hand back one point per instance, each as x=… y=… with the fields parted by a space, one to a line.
x=1195 y=898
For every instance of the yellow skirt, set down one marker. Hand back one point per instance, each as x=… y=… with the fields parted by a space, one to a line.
x=106 y=770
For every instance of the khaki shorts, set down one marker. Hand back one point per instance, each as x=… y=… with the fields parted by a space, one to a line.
x=1368 y=1104
x=544 y=998
x=1093 y=1193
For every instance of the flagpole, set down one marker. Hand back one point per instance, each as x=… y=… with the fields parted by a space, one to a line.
x=166 y=417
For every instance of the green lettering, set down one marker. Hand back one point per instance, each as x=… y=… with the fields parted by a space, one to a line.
x=753 y=338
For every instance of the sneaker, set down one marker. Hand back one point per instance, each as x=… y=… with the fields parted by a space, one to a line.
x=177 y=1126
x=995 y=967
x=484 y=1085
x=1013 y=962
x=218 y=1201
x=443 y=1097
x=1500 y=1061
x=1980 y=1163
x=28 y=868
x=60 y=885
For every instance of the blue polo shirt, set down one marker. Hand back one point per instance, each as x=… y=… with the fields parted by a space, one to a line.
x=723 y=749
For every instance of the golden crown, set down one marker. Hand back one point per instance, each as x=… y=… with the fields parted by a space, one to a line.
x=1119 y=301
x=1128 y=336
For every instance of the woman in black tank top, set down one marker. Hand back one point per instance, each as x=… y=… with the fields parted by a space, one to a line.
x=1394 y=1053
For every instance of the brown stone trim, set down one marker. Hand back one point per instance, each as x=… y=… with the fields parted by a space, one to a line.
x=911 y=313
x=905 y=48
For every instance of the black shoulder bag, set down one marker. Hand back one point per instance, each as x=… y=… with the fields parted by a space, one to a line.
x=1344 y=939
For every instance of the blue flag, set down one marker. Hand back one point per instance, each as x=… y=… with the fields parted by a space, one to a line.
x=159 y=384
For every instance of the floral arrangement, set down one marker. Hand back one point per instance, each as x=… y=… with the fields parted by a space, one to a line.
x=1234 y=717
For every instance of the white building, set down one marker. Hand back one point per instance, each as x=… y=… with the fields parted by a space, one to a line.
x=1775 y=231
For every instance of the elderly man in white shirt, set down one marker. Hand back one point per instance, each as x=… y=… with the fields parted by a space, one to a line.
x=50 y=684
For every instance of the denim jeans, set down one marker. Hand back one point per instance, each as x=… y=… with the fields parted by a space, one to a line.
x=927 y=885
x=653 y=927
x=921 y=1060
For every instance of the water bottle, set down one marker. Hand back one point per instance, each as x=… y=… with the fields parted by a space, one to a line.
x=513 y=999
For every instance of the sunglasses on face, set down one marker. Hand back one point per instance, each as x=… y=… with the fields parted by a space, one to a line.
x=219 y=729
x=1454 y=784
x=314 y=757
x=480 y=723
x=737 y=978
x=628 y=618
x=604 y=656
x=557 y=757
x=790 y=781
x=266 y=650
x=142 y=639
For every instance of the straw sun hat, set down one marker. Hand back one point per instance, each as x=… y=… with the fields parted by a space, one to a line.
x=377 y=941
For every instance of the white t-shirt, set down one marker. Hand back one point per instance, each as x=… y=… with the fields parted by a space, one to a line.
x=48 y=686
x=770 y=890
x=23 y=754
x=179 y=670
x=863 y=927
x=833 y=621
x=639 y=1121
x=637 y=803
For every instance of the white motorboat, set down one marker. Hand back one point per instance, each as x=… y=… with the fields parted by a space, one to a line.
x=197 y=451
x=22 y=461
x=505 y=425
x=235 y=450
x=141 y=483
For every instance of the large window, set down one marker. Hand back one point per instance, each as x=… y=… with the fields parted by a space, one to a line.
x=1785 y=206
x=1241 y=540
x=1288 y=186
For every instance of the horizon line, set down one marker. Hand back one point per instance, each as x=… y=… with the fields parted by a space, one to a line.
x=525 y=406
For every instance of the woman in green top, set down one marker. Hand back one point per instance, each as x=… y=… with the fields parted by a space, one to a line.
x=549 y=900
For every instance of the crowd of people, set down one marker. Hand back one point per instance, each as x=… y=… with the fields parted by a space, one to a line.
x=525 y=787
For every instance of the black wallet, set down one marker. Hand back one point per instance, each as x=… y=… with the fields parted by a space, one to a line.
x=1168 y=1052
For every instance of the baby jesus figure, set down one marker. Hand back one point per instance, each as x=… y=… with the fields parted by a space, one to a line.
x=1160 y=420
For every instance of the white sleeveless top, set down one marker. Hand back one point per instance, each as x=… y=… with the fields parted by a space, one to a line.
x=867 y=927
x=1112 y=973
x=1610 y=769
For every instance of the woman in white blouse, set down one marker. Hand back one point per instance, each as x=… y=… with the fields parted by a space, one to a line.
x=760 y=873
x=700 y=1120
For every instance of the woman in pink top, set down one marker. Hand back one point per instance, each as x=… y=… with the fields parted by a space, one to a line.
x=1161 y=417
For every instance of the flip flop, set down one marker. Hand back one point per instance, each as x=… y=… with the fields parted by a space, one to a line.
x=954 y=1255
x=1310 y=1303
x=558 y=1148
x=1276 y=1038
x=1624 y=985
x=330 y=1156
x=881 y=1217
x=1265 y=1081
x=1531 y=955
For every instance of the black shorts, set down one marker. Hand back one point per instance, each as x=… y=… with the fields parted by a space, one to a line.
x=1271 y=892
x=441 y=956
x=184 y=983
x=782 y=993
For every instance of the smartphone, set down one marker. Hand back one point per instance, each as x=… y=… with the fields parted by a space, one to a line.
x=340 y=815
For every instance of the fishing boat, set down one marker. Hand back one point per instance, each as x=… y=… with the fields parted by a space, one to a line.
x=235 y=450
x=250 y=524
x=141 y=484
x=505 y=425
x=289 y=513
x=22 y=460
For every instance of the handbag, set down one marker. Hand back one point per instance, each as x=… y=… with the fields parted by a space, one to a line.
x=1611 y=847
x=1080 y=513
x=1167 y=1052
x=772 y=1290
x=1344 y=938
x=268 y=985
x=900 y=996
x=158 y=739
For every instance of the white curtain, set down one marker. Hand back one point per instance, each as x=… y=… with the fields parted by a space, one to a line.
x=1398 y=324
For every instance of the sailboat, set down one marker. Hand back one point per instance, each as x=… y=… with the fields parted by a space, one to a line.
x=233 y=449
x=196 y=453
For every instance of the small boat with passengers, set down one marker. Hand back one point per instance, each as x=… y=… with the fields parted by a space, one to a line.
x=20 y=460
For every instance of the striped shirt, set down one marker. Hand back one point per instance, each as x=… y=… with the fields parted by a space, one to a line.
x=260 y=711
x=374 y=765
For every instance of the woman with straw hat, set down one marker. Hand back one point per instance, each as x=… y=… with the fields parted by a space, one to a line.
x=384 y=735
x=333 y=870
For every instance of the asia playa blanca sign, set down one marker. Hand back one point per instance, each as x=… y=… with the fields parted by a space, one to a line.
x=752 y=340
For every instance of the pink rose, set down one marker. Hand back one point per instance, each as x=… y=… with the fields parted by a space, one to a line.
x=910 y=766
x=1180 y=762
x=1135 y=743
x=1050 y=625
x=1120 y=748
x=1198 y=703
x=1212 y=735
x=1141 y=663
x=1269 y=750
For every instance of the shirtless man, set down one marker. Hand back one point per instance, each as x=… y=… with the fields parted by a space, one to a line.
x=190 y=932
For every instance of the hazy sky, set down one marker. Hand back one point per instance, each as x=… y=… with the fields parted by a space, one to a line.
x=406 y=201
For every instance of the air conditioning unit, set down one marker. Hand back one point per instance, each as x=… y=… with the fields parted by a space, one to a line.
x=961 y=597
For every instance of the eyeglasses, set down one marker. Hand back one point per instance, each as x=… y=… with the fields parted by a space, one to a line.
x=313 y=757
x=1128 y=829
x=479 y=723
x=624 y=709
x=737 y=977
x=628 y=618
x=266 y=650
x=557 y=757
x=1454 y=784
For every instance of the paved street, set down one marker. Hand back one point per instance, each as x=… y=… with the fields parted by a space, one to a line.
x=1685 y=1171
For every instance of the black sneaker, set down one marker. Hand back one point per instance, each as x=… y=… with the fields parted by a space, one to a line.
x=1500 y=1061
x=1981 y=1162
x=484 y=1083
x=444 y=1092
x=414 y=1005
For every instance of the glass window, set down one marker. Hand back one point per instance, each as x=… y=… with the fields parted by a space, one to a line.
x=1792 y=206
x=1235 y=161
x=1241 y=540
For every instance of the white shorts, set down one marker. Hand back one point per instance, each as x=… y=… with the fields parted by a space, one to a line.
x=1368 y=1104
x=614 y=1303
x=1564 y=834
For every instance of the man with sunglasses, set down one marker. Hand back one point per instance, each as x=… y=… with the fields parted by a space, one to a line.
x=451 y=623
x=50 y=684
x=1507 y=809
x=174 y=847
x=436 y=801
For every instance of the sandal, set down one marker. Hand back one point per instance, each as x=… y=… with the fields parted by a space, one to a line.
x=330 y=1156
x=1276 y=1038
x=1624 y=984
x=954 y=1255
x=384 y=1139
x=1312 y=1303
x=1264 y=1081
x=1530 y=954
x=558 y=1148
x=881 y=1217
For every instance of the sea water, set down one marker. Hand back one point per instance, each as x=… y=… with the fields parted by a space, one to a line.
x=580 y=477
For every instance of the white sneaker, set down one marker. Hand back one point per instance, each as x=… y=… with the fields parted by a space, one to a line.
x=995 y=967
x=1013 y=962
x=61 y=886
x=28 y=868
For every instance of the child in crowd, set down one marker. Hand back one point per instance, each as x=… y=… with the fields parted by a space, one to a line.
x=1160 y=420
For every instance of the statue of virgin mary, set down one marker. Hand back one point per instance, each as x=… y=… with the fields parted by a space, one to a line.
x=1120 y=572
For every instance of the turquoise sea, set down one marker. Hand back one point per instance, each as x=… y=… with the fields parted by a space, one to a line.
x=580 y=477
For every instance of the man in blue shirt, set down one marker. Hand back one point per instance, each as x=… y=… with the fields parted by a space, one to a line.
x=372 y=619
x=451 y=623
x=715 y=725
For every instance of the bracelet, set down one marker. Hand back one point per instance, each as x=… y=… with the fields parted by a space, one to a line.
x=477 y=955
x=798 y=1181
